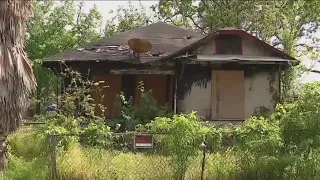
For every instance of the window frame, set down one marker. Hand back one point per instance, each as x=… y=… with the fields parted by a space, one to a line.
x=221 y=38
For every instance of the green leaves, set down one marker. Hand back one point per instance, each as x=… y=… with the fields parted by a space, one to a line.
x=127 y=18
x=184 y=134
x=58 y=26
x=259 y=136
x=300 y=125
x=132 y=115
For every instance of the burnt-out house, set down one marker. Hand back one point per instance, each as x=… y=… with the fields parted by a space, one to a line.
x=226 y=76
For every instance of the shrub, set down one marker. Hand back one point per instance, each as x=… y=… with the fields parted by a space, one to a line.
x=183 y=138
x=259 y=136
x=132 y=115
x=95 y=134
x=300 y=124
x=76 y=119
x=71 y=130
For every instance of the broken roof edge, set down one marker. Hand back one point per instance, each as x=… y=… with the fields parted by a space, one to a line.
x=53 y=62
x=102 y=39
x=230 y=31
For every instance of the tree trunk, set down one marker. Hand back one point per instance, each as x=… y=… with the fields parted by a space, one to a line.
x=3 y=151
x=17 y=80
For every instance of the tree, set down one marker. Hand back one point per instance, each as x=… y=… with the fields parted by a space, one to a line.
x=126 y=19
x=16 y=75
x=57 y=27
x=282 y=23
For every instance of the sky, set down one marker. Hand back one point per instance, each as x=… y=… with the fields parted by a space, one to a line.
x=105 y=7
x=108 y=6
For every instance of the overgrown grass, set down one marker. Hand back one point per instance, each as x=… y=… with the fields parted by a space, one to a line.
x=27 y=155
x=82 y=164
x=22 y=169
x=29 y=161
x=28 y=143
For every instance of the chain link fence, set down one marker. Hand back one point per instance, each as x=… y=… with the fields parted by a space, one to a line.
x=124 y=157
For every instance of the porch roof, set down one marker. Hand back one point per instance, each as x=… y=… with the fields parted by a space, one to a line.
x=242 y=59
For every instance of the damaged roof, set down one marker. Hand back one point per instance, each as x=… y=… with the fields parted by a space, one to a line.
x=165 y=39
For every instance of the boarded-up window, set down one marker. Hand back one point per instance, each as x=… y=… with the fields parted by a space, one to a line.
x=228 y=44
x=228 y=95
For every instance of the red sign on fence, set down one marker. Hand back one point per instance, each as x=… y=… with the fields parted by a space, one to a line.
x=143 y=141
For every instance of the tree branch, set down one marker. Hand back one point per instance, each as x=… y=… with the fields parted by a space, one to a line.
x=79 y=13
x=205 y=4
x=170 y=17
x=315 y=71
x=196 y=24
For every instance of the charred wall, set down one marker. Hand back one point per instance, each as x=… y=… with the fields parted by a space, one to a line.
x=194 y=89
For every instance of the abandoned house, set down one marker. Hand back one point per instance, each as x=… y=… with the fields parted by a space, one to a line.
x=226 y=76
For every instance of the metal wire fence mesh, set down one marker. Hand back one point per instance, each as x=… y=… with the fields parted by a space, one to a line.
x=117 y=159
x=120 y=159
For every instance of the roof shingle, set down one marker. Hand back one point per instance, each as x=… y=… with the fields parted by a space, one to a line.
x=165 y=39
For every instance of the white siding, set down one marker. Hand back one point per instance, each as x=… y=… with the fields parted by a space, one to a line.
x=209 y=48
x=198 y=99
x=251 y=49
x=257 y=92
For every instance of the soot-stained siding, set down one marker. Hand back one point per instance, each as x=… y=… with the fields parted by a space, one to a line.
x=262 y=88
x=194 y=89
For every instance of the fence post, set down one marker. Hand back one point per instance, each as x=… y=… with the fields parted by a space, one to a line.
x=203 y=163
x=53 y=162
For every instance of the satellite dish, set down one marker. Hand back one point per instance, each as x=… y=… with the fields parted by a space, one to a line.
x=139 y=46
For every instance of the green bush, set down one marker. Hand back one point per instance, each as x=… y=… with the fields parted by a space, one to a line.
x=300 y=124
x=95 y=134
x=76 y=119
x=132 y=115
x=70 y=130
x=259 y=136
x=184 y=134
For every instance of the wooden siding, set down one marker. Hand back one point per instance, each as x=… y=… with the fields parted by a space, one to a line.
x=114 y=87
x=158 y=85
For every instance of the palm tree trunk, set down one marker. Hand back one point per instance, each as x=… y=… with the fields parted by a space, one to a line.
x=16 y=74
x=3 y=151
